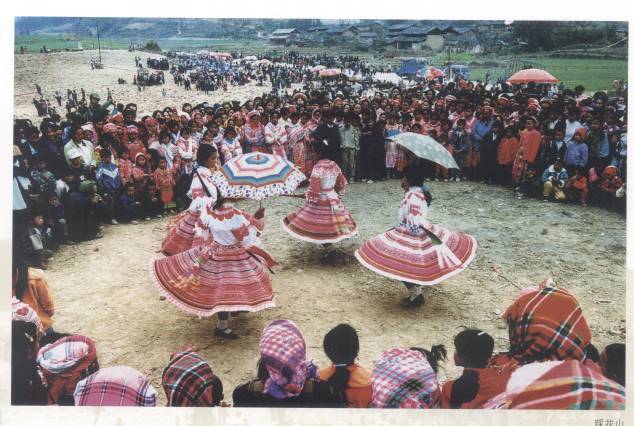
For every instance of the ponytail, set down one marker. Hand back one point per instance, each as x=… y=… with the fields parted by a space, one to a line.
x=438 y=353
x=341 y=345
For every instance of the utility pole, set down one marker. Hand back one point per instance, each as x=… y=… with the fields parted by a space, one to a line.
x=98 y=41
x=449 y=63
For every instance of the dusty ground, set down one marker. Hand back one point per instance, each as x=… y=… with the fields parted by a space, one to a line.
x=71 y=70
x=102 y=289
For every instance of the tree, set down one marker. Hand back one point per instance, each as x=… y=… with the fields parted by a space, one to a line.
x=152 y=46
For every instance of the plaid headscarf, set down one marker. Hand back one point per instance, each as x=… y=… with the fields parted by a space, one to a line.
x=23 y=312
x=403 y=378
x=66 y=362
x=115 y=387
x=546 y=323
x=283 y=352
x=188 y=381
x=560 y=385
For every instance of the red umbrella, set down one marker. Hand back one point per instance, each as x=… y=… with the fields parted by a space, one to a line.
x=329 y=73
x=532 y=75
x=433 y=72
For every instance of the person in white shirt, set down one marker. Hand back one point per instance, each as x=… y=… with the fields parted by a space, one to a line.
x=572 y=125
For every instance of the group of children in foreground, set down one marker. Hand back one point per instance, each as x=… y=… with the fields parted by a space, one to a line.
x=549 y=353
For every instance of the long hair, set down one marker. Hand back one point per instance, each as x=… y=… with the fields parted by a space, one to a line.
x=21 y=268
x=341 y=345
x=26 y=384
x=434 y=356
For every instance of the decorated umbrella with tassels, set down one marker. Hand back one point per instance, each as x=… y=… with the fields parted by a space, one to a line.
x=426 y=147
x=257 y=176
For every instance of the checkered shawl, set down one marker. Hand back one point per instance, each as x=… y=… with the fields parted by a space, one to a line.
x=545 y=323
x=283 y=352
x=188 y=381
x=66 y=362
x=115 y=387
x=23 y=312
x=403 y=378
x=568 y=385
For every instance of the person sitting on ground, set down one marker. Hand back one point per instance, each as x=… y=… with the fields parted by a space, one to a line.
x=31 y=287
x=577 y=187
x=35 y=242
x=129 y=207
x=64 y=363
x=55 y=222
x=285 y=377
x=610 y=183
x=548 y=334
x=27 y=387
x=189 y=382
x=479 y=382
x=554 y=180
x=117 y=386
x=351 y=380
x=405 y=378
x=612 y=362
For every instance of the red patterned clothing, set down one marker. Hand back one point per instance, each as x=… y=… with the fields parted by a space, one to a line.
x=276 y=138
x=253 y=138
x=125 y=171
x=203 y=193
x=407 y=252
x=164 y=180
x=220 y=275
x=560 y=385
x=324 y=218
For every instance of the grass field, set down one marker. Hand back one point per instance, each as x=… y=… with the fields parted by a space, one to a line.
x=56 y=42
x=594 y=74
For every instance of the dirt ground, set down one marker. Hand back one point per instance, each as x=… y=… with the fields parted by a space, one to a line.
x=71 y=70
x=102 y=288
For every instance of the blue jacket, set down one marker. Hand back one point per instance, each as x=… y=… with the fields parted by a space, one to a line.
x=108 y=177
x=560 y=175
x=127 y=203
x=481 y=129
x=576 y=155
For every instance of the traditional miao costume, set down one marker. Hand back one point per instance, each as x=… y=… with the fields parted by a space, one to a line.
x=548 y=335
x=276 y=137
x=391 y=152
x=181 y=231
x=230 y=148
x=407 y=253
x=299 y=143
x=324 y=218
x=226 y=273
x=187 y=148
x=253 y=136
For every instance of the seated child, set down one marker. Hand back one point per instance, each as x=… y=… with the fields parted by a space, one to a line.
x=577 y=187
x=348 y=378
x=151 y=201
x=55 y=228
x=129 y=207
x=35 y=244
x=554 y=180
x=479 y=382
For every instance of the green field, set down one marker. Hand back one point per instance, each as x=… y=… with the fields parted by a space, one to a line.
x=35 y=42
x=594 y=74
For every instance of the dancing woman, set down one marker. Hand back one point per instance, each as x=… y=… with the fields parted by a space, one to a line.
x=417 y=252
x=202 y=193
